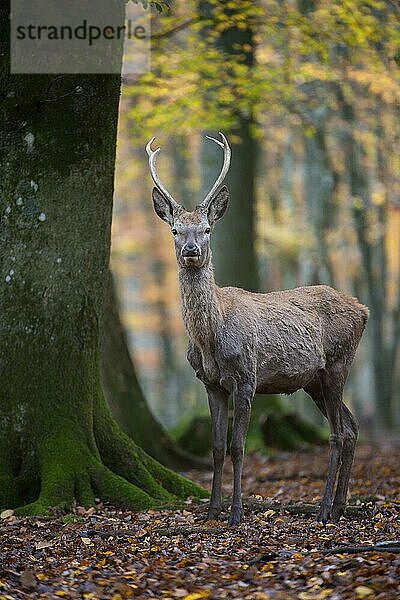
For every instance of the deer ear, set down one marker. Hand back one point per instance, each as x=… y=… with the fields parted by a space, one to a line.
x=162 y=206
x=217 y=206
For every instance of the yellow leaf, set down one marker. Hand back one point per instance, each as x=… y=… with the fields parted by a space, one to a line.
x=6 y=513
x=101 y=564
x=197 y=595
x=86 y=541
x=363 y=591
x=378 y=198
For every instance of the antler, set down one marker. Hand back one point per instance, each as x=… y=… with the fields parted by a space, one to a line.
x=153 y=155
x=225 y=168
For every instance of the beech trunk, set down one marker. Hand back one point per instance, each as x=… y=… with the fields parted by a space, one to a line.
x=58 y=440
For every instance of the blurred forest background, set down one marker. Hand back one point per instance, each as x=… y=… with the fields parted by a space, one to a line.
x=307 y=93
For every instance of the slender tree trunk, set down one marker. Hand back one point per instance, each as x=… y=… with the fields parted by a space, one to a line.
x=125 y=396
x=375 y=276
x=320 y=182
x=234 y=252
x=58 y=440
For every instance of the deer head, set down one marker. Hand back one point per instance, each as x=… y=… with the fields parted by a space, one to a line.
x=191 y=229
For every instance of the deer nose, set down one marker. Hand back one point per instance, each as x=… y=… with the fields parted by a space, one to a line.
x=190 y=249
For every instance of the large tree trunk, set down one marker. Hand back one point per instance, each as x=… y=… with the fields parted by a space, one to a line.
x=58 y=440
x=125 y=396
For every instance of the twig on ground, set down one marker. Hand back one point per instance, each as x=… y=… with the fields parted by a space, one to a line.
x=389 y=546
x=294 y=509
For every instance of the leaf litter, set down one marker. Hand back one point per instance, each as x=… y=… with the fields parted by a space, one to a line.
x=276 y=553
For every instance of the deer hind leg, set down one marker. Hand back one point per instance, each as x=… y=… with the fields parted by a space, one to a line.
x=242 y=398
x=218 y=402
x=328 y=397
x=350 y=434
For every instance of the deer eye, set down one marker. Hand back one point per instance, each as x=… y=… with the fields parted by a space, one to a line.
x=174 y=231
x=208 y=230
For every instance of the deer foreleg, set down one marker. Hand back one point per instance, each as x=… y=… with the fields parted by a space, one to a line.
x=218 y=401
x=242 y=398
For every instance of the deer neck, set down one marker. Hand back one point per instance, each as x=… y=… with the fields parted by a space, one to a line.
x=201 y=308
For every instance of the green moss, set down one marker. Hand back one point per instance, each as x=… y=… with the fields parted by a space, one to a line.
x=84 y=493
x=289 y=431
x=121 y=455
x=177 y=485
x=36 y=508
x=195 y=435
x=117 y=471
x=118 y=491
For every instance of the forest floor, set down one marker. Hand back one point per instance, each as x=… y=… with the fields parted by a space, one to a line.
x=275 y=554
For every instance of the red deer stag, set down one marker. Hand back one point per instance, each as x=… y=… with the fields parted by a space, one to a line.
x=242 y=343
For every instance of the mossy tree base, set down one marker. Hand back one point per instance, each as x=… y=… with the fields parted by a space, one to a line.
x=59 y=441
x=115 y=471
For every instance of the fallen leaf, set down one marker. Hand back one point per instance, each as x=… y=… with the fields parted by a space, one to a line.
x=87 y=541
x=198 y=595
x=28 y=580
x=6 y=513
x=180 y=593
x=363 y=591
x=44 y=544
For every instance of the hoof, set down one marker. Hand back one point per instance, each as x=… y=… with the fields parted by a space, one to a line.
x=337 y=512
x=235 y=518
x=213 y=514
x=323 y=515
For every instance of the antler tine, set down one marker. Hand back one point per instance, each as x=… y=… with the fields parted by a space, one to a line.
x=153 y=155
x=225 y=167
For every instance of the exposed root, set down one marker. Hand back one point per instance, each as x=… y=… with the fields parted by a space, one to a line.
x=121 y=455
x=74 y=463
x=117 y=490
x=174 y=483
x=84 y=493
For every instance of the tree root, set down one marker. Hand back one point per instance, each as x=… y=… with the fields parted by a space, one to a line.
x=115 y=489
x=109 y=466
x=388 y=546
x=391 y=546
x=257 y=506
x=121 y=455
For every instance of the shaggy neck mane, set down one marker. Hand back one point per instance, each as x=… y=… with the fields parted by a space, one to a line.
x=201 y=308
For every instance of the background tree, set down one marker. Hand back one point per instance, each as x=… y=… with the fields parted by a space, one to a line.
x=234 y=252
x=307 y=202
